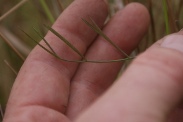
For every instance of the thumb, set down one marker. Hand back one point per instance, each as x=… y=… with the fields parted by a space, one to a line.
x=148 y=90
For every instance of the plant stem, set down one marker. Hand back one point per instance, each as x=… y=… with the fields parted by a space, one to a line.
x=165 y=8
x=13 y=9
x=12 y=46
x=12 y=69
x=47 y=11
x=66 y=42
x=152 y=22
x=60 y=5
x=1 y=111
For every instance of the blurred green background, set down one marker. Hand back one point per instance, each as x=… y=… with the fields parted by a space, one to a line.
x=33 y=14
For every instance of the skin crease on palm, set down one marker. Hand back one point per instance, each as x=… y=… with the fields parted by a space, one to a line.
x=150 y=90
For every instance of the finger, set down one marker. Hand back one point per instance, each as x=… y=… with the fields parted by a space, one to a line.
x=177 y=114
x=45 y=80
x=148 y=90
x=126 y=30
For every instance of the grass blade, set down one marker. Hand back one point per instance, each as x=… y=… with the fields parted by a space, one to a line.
x=38 y=43
x=65 y=41
x=166 y=18
x=12 y=69
x=94 y=26
x=12 y=47
x=152 y=21
x=1 y=111
x=77 y=61
x=46 y=42
x=13 y=9
x=174 y=27
x=60 y=5
x=47 y=11
x=178 y=14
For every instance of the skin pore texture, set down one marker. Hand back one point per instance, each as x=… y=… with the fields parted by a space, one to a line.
x=150 y=90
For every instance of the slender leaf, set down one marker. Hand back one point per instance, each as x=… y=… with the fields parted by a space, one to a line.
x=47 y=11
x=94 y=26
x=65 y=41
x=165 y=8
x=77 y=61
x=12 y=47
x=12 y=69
x=39 y=44
x=46 y=42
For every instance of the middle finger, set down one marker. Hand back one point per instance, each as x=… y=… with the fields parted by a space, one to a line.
x=126 y=30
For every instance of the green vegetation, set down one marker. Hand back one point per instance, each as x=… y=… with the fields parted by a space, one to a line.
x=166 y=16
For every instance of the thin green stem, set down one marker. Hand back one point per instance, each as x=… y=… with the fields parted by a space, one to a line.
x=172 y=23
x=165 y=8
x=47 y=11
x=152 y=21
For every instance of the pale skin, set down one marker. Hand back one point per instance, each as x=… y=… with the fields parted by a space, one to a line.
x=150 y=90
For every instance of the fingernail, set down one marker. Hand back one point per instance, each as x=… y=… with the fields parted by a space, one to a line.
x=173 y=42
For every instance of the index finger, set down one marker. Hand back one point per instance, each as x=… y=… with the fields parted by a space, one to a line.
x=44 y=80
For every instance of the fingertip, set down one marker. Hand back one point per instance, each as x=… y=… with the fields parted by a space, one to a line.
x=134 y=19
x=141 y=11
x=138 y=6
x=174 y=41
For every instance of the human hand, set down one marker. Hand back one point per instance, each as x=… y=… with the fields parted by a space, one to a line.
x=51 y=90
